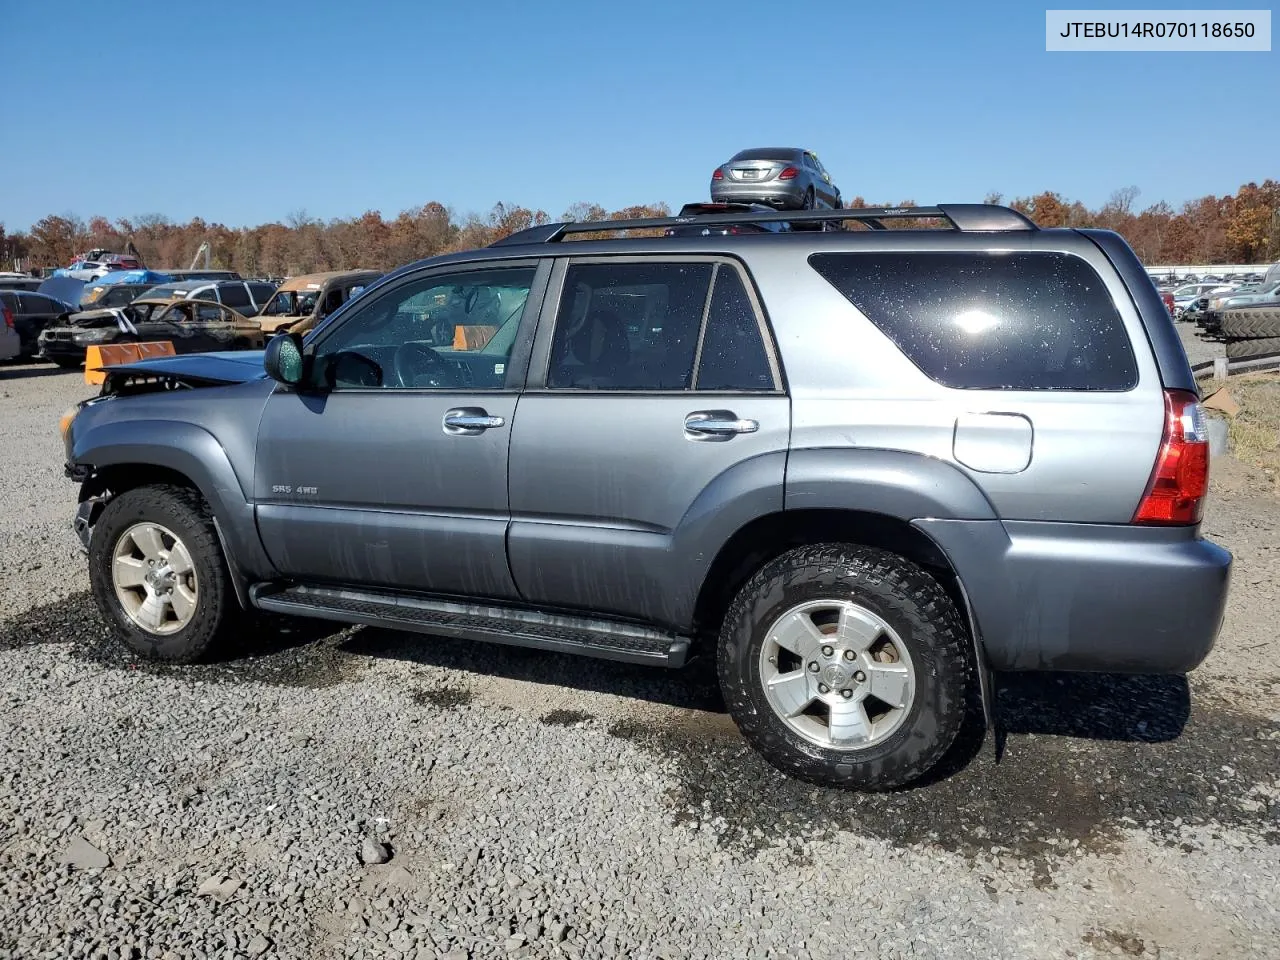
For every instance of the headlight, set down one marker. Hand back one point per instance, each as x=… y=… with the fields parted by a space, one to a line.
x=93 y=336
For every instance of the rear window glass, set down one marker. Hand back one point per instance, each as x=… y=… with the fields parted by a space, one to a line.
x=767 y=153
x=986 y=321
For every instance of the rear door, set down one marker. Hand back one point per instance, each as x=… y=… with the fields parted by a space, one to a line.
x=652 y=379
x=192 y=326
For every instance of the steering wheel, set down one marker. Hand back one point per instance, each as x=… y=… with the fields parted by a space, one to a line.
x=413 y=359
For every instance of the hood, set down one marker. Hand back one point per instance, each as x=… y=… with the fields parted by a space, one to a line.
x=228 y=366
x=105 y=317
x=66 y=289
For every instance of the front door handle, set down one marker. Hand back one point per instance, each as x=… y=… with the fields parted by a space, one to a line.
x=469 y=421
x=717 y=425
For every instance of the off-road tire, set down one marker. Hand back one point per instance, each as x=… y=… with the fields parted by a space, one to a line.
x=1251 y=323
x=1255 y=347
x=902 y=594
x=184 y=512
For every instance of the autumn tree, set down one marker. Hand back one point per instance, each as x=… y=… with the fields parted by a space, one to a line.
x=1244 y=227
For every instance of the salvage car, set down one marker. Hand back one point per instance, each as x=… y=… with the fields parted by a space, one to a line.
x=245 y=297
x=303 y=301
x=192 y=326
x=787 y=178
x=32 y=313
x=113 y=295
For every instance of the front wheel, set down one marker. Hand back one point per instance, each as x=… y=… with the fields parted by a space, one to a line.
x=845 y=666
x=158 y=574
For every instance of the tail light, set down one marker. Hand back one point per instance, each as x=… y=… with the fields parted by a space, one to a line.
x=718 y=175
x=8 y=317
x=788 y=174
x=1180 y=480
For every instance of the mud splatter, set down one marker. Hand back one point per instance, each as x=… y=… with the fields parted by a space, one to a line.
x=566 y=718
x=1112 y=941
x=446 y=698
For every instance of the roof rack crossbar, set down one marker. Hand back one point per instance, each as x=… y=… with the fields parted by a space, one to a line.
x=963 y=216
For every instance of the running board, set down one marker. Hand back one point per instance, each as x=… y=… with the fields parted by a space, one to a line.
x=517 y=626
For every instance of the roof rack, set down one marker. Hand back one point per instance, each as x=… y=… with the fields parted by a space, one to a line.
x=968 y=217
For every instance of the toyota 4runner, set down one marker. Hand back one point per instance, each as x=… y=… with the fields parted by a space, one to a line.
x=860 y=469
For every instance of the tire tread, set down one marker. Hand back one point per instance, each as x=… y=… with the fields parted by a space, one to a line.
x=157 y=501
x=934 y=616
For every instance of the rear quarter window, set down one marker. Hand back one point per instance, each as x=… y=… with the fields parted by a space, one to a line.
x=992 y=321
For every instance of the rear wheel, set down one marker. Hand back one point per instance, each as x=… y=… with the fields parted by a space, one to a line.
x=158 y=574
x=845 y=666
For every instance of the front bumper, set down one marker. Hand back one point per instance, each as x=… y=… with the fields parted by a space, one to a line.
x=1089 y=597
x=48 y=348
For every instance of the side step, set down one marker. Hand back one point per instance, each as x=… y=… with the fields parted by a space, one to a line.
x=518 y=626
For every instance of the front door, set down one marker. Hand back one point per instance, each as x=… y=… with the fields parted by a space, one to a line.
x=654 y=401
x=392 y=470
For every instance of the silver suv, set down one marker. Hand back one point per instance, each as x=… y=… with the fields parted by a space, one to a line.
x=858 y=469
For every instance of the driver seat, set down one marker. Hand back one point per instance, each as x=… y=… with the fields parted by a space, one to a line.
x=601 y=347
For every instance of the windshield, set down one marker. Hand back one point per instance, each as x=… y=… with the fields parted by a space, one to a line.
x=291 y=303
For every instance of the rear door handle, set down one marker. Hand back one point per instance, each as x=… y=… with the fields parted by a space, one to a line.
x=717 y=425
x=469 y=421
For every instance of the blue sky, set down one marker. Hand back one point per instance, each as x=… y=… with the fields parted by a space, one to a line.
x=242 y=112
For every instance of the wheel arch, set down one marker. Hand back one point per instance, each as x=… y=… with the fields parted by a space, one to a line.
x=125 y=455
x=769 y=536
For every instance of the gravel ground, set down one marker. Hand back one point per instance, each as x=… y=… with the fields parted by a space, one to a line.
x=530 y=805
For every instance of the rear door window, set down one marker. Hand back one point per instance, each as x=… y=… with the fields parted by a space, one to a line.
x=629 y=326
x=39 y=303
x=733 y=355
x=992 y=321
x=657 y=326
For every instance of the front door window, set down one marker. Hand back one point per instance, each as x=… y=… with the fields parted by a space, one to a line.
x=445 y=332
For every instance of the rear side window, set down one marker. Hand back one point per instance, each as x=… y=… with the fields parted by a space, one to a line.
x=986 y=321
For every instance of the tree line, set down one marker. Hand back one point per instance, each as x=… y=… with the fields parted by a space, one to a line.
x=1243 y=227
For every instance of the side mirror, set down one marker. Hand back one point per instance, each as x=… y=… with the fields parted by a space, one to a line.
x=282 y=359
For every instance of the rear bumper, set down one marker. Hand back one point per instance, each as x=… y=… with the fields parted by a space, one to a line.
x=778 y=193
x=1089 y=597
